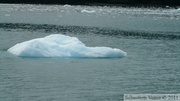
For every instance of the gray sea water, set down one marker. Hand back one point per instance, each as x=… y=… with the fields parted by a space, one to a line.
x=150 y=36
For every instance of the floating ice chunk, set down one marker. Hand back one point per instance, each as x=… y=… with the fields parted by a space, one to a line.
x=178 y=9
x=88 y=11
x=66 y=5
x=57 y=45
x=167 y=6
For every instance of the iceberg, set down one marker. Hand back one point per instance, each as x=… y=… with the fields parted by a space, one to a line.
x=62 y=46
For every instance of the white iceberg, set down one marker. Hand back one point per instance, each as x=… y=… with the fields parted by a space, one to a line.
x=57 y=45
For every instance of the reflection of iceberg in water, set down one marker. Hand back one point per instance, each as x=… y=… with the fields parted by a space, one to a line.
x=62 y=46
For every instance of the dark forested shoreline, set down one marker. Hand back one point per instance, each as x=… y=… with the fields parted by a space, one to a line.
x=100 y=2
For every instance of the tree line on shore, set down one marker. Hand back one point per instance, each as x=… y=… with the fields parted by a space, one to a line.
x=84 y=2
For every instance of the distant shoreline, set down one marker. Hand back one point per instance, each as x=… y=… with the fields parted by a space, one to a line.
x=133 y=5
x=100 y=4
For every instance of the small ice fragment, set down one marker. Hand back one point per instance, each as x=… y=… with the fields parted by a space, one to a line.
x=66 y=5
x=88 y=11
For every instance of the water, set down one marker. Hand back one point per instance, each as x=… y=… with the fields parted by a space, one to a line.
x=150 y=36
